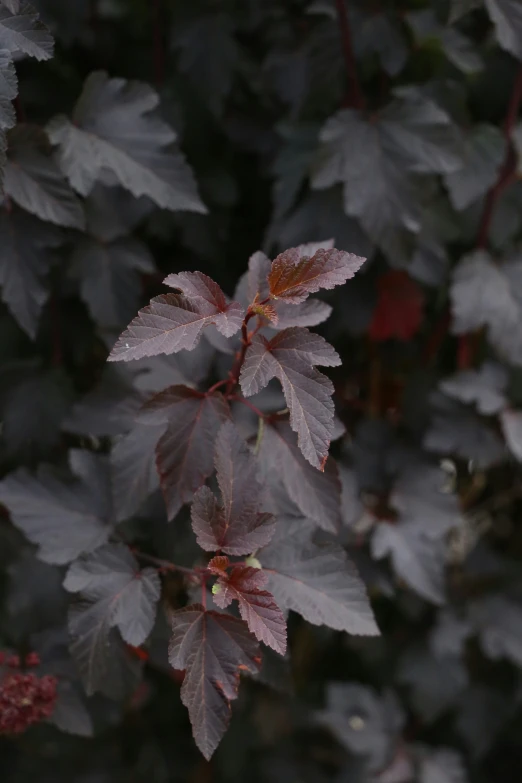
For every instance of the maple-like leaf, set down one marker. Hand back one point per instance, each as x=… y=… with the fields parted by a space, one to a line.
x=133 y=468
x=506 y=15
x=484 y=153
x=185 y=452
x=399 y=309
x=113 y=129
x=209 y=298
x=236 y=527
x=257 y=606
x=317 y=581
x=63 y=519
x=294 y=275
x=171 y=323
x=22 y=31
x=316 y=494
x=290 y=356
x=34 y=181
x=212 y=648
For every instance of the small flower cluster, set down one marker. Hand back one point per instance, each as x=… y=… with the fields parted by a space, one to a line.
x=25 y=698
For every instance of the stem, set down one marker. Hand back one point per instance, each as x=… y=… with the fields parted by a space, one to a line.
x=204 y=591
x=216 y=386
x=508 y=167
x=246 y=339
x=355 y=96
x=260 y=432
x=163 y=565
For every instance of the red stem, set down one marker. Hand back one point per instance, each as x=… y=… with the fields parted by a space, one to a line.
x=240 y=356
x=237 y=398
x=355 y=96
x=163 y=565
x=508 y=167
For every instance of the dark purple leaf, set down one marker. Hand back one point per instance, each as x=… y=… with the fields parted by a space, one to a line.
x=185 y=452
x=236 y=527
x=317 y=581
x=290 y=356
x=209 y=298
x=133 y=468
x=97 y=140
x=317 y=494
x=22 y=31
x=62 y=519
x=212 y=648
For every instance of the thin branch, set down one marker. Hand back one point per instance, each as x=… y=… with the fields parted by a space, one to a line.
x=355 y=96
x=163 y=565
x=509 y=164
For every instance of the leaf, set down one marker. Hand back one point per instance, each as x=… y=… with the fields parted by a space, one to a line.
x=62 y=519
x=213 y=648
x=110 y=277
x=379 y=33
x=456 y=430
x=173 y=322
x=34 y=181
x=294 y=275
x=506 y=15
x=461 y=7
x=236 y=527
x=400 y=306
x=442 y=766
x=376 y=162
x=133 y=468
x=484 y=387
x=416 y=559
x=208 y=296
x=366 y=724
x=481 y=295
x=111 y=576
x=497 y=620
x=22 y=31
x=70 y=713
x=511 y=421
x=103 y=660
x=290 y=356
x=484 y=151
x=24 y=263
x=458 y=49
x=435 y=682
x=317 y=581
x=8 y=90
x=185 y=452
x=316 y=494
x=256 y=606
x=97 y=140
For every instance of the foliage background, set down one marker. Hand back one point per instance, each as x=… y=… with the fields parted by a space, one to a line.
x=393 y=128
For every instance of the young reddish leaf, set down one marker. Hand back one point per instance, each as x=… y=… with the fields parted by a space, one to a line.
x=399 y=308
x=235 y=527
x=256 y=606
x=173 y=322
x=207 y=295
x=294 y=275
x=213 y=648
x=184 y=454
x=290 y=356
x=218 y=565
x=316 y=494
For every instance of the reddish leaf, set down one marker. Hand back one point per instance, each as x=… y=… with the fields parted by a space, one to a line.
x=184 y=454
x=294 y=276
x=173 y=322
x=218 y=565
x=236 y=527
x=208 y=296
x=290 y=356
x=256 y=606
x=213 y=648
x=399 y=308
